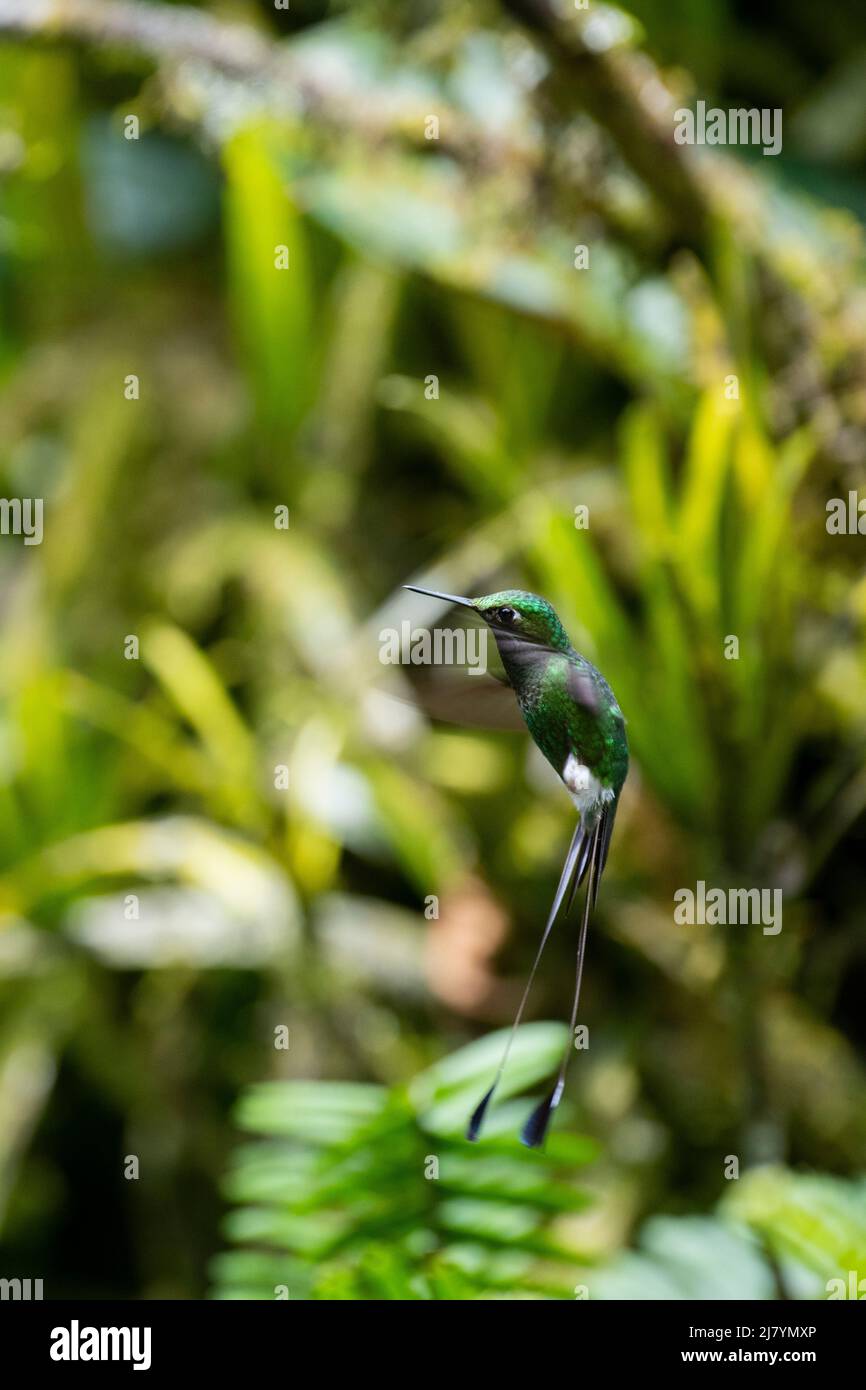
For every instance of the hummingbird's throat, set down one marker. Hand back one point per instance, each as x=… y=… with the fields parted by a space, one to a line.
x=524 y=661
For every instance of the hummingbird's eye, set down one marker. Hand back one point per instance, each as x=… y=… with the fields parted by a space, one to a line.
x=508 y=616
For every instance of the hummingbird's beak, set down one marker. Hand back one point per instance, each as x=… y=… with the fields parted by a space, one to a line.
x=448 y=598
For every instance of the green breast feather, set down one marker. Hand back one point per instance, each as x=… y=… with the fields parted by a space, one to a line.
x=570 y=708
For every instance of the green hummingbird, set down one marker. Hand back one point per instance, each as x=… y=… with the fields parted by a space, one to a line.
x=573 y=716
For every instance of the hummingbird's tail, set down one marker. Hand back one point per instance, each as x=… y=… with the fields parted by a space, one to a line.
x=573 y=871
x=535 y=1129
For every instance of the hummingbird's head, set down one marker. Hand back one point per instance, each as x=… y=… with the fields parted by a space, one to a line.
x=527 y=617
x=512 y=614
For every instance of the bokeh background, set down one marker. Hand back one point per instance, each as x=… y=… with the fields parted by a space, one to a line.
x=233 y=828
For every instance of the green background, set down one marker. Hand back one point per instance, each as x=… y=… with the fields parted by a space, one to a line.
x=258 y=388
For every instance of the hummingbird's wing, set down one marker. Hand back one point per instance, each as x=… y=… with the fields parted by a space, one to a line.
x=573 y=870
x=479 y=702
x=535 y=1129
x=457 y=691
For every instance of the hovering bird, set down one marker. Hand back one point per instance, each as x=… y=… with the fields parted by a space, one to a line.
x=574 y=718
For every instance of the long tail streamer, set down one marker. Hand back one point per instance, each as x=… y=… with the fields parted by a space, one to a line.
x=535 y=1129
x=573 y=871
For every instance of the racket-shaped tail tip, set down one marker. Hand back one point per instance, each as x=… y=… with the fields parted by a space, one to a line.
x=473 y=1129
x=534 y=1132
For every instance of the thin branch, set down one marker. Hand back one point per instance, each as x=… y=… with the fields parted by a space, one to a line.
x=612 y=87
x=188 y=43
x=623 y=92
x=159 y=31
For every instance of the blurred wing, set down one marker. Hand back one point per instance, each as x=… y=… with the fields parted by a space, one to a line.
x=456 y=691
x=478 y=702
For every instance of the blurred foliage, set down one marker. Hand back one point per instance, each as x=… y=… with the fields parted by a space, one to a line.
x=259 y=783
x=332 y=1206
x=778 y=1235
x=329 y=1205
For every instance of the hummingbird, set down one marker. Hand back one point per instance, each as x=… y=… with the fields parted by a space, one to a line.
x=573 y=716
